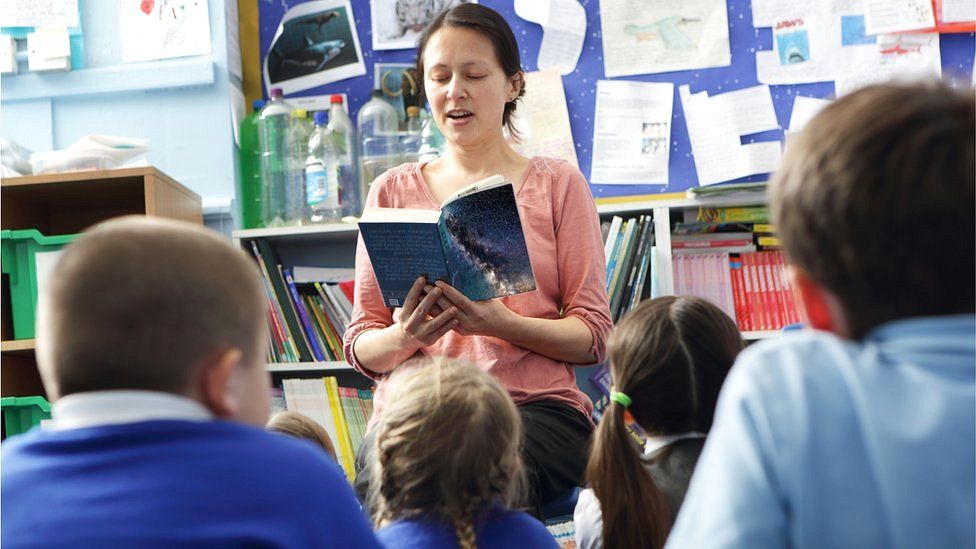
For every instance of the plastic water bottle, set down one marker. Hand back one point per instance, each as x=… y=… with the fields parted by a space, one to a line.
x=377 y=123
x=249 y=190
x=431 y=140
x=298 y=134
x=273 y=123
x=351 y=195
x=322 y=188
x=410 y=143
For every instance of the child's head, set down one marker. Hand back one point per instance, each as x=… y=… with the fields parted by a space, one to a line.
x=150 y=304
x=301 y=426
x=670 y=356
x=447 y=446
x=875 y=206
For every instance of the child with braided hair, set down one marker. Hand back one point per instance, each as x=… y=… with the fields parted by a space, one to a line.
x=448 y=462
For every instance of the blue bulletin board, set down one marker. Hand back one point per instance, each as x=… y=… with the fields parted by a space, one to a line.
x=957 y=62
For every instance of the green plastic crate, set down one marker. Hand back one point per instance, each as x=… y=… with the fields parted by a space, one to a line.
x=19 y=261
x=21 y=414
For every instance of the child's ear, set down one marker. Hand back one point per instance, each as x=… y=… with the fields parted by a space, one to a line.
x=216 y=383
x=823 y=307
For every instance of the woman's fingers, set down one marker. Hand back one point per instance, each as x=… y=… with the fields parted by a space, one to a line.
x=413 y=297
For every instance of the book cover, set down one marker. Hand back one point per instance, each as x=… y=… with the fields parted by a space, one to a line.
x=303 y=316
x=474 y=242
x=343 y=444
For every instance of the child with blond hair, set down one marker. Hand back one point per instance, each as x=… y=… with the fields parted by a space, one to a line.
x=448 y=463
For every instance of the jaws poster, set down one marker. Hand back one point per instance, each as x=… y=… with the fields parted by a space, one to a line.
x=315 y=44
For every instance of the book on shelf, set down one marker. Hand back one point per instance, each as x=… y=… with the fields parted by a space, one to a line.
x=745 y=214
x=475 y=242
x=342 y=411
x=727 y=189
x=630 y=263
x=306 y=317
x=750 y=287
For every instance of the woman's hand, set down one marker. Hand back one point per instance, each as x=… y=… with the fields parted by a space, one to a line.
x=486 y=318
x=422 y=322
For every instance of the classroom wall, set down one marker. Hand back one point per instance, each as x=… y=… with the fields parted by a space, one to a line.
x=181 y=105
x=957 y=60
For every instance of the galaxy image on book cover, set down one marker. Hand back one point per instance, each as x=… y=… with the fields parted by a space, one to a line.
x=484 y=245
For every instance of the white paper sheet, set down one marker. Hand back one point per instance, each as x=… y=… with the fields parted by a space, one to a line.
x=40 y=13
x=543 y=119
x=564 y=30
x=896 y=57
x=233 y=40
x=713 y=128
x=958 y=11
x=885 y=16
x=643 y=38
x=632 y=132
x=804 y=109
x=238 y=110
x=170 y=28
x=316 y=44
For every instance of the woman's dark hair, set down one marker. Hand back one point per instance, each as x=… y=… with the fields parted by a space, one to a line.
x=670 y=356
x=488 y=23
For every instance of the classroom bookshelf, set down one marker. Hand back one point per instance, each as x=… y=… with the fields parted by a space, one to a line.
x=67 y=203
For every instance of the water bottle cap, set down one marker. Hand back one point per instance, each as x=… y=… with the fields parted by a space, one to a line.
x=258 y=104
x=413 y=111
x=299 y=113
x=335 y=99
x=276 y=93
x=321 y=117
x=377 y=93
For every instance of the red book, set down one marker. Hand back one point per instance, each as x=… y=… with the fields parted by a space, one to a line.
x=738 y=293
x=772 y=289
x=348 y=287
x=753 y=291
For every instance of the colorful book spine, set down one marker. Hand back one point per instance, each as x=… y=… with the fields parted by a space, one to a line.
x=303 y=316
x=343 y=445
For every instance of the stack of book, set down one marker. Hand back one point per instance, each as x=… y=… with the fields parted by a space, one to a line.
x=307 y=316
x=629 y=250
x=343 y=411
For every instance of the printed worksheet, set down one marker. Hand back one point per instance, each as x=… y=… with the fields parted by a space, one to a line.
x=632 y=132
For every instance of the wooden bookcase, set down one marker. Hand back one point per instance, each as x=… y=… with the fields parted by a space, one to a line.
x=68 y=203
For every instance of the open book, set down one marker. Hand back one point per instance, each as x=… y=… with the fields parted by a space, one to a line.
x=474 y=242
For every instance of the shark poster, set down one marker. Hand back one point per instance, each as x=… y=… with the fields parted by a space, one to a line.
x=316 y=43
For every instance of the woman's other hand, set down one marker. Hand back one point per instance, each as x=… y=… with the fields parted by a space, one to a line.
x=422 y=321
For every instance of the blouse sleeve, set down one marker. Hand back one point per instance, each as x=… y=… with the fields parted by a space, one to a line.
x=369 y=312
x=588 y=520
x=579 y=252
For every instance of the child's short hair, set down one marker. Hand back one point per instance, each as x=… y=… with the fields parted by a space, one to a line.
x=140 y=302
x=301 y=426
x=670 y=356
x=875 y=202
x=447 y=446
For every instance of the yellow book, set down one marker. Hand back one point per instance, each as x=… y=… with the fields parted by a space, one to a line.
x=343 y=445
x=763 y=228
x=769 y=241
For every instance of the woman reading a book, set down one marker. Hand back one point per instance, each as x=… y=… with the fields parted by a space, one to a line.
x=468 y=61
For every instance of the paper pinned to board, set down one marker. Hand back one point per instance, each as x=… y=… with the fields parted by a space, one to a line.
x=958 y=11
x=713 y=128
x=632 y=132
x=163 y=29
x=315 y=44
x=886 y=16
x=896 y=57
x=663 y=36
x=542 y=118
x=40 y=13
x=804 y=109
x=564 y=30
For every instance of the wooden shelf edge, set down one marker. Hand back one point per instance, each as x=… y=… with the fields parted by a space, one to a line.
x=325 y=228
x=309 y=367
x=18 y=347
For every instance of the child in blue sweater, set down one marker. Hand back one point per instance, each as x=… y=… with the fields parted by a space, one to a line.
x=448 y=462
x=150 y=341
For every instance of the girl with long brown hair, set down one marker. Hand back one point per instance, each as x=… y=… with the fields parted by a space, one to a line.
x=668 y=359
x=448 y=462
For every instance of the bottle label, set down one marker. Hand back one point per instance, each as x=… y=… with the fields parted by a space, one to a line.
x=315 y=185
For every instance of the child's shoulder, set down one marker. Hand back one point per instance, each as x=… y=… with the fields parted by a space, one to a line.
x=509 y=528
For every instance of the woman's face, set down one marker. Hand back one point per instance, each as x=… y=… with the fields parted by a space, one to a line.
x=466 y=86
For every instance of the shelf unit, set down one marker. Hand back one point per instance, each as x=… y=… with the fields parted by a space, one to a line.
x=68 y=203
x=302 y=367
